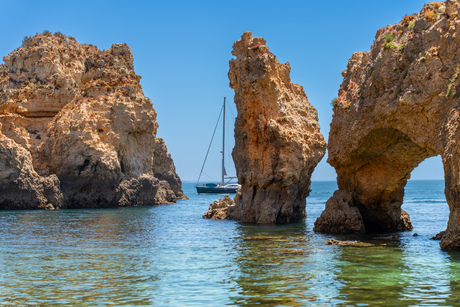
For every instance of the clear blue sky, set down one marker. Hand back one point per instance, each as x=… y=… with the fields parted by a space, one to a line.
x=182 y=48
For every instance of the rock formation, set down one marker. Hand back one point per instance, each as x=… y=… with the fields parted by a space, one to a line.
x=218 y=209
x=339 y=217
x=277 y=137
x=77 y=130
x=21 y=187
x=438 y=236
x=398 y=105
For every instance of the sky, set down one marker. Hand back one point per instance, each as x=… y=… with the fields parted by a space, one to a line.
x=182 y=49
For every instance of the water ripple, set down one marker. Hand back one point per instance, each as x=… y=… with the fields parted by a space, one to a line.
x=169 y=255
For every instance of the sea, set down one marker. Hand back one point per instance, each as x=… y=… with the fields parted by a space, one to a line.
x=169 y=255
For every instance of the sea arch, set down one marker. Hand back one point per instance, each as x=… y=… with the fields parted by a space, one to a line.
x=377 y=174
x=371 y=178
x=398 y=104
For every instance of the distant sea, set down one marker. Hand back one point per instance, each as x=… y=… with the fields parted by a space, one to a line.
x=170 y=256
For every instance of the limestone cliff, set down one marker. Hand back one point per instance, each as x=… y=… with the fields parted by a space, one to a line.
x=78 y=117
x=21 y=187
x=398 y=105
x=277 y=136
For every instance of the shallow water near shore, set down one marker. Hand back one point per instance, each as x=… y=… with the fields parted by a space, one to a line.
x=169 y=255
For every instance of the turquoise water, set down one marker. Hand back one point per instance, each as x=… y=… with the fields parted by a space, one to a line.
x=169 y=255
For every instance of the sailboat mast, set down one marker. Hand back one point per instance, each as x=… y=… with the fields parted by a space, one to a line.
x=223 y=146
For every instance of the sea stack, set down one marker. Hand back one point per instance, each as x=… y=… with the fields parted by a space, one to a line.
x=398 y=105
x=277 y=137
x=76 y=130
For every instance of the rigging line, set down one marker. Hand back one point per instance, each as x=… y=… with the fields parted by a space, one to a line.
x=214 y=179
x=204 y=162
x=229 y=137
x=233 y=114
x=230 y=144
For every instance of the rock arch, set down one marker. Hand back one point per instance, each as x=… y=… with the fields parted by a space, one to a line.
x=398 y=105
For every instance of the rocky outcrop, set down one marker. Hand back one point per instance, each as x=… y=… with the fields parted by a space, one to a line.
x=398 y=105
x=277 y=136
x=438 y=236
x=22 y=187
x=339 y=217
x=80 y=116
x=218 y=209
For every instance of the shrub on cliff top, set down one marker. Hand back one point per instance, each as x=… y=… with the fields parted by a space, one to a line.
x=407 y=20
x=451 y=93
x=430 y=15
x=389 y=43
x=389 y=38
x=334 y=102
x=436 y=5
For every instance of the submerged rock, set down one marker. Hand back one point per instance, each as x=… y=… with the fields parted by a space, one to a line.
x=349 y=243
x=398 y=105
x=277 y=137
x=78 y=118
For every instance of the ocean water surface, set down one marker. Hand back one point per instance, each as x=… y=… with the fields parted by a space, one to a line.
x=169 y=256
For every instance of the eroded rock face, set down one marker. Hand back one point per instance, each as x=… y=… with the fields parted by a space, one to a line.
x=80 y=114
x=339 y=216
x=398 y=105
x=277 y=136
x=21 y=187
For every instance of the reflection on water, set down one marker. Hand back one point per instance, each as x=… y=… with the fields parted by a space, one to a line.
x=70 y=257
x=271 y=262
x=375 y=274
x=169 y=255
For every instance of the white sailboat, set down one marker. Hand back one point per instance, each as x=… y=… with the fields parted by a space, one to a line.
x=221 y=187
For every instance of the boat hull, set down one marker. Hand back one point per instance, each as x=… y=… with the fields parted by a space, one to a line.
x=216 y=190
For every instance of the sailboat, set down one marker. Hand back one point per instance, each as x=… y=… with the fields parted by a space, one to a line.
x=221 y=187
